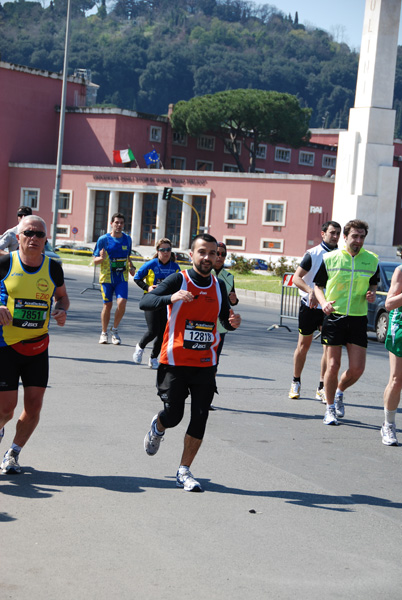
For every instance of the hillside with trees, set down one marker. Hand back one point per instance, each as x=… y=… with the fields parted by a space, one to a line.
x=146 y=54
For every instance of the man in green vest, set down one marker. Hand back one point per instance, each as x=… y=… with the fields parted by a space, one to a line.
x=345 y=282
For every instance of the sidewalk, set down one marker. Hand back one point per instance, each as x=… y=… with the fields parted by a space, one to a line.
x=246 y=296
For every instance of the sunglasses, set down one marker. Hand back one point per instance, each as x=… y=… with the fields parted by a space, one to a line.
x=31 y=233
x=164 y=249
x=221 y=254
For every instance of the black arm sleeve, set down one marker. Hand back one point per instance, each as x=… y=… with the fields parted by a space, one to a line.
x=161 y=295
x=224 y=313
x=375 y=278
x=4 y=265
x=321 y=277
x=56 y=273
x=306 y=262
x=141 y=283
x=237 y=301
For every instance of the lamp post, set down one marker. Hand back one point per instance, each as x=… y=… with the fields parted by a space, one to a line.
x=61 y=127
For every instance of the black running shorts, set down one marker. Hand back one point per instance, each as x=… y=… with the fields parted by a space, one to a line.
x=310 y=319
x=33 y=370
x=339 y=330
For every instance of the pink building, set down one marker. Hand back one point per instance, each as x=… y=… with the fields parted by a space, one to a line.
x=274 y=212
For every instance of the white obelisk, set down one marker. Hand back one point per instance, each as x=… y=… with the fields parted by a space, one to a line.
x=366 y=182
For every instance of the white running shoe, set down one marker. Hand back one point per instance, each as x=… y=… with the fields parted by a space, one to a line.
x=153 y=363
x=152 y=439
x=185 y=480
x=103 y=338
x=339 y=406
x=320 y=395
x=10 y=462
x=295 y=390
x=388 y=434
x=330 y=416
x=115 y=337
x=137 y=356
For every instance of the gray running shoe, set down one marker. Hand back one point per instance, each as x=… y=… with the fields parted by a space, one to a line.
x=339 y=406
x=153 y=363
x=388 y=434
x=115 y=337
x=10 y=462
x=137 y=356
x=185 y=480
x=330 y=416
x=152 y=439
x=103 y=338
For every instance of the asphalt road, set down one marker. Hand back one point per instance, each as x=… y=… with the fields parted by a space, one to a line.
x=291 y=508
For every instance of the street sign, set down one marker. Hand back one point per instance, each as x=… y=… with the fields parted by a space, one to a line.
x=74 y=230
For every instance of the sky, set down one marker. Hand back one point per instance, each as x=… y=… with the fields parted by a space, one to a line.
x=341 y=18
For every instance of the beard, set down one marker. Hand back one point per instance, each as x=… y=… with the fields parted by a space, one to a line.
x=203 y=268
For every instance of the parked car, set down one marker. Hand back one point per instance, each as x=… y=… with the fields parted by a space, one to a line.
x=136 y=254
x=49 y=252
x=82 y=249
x=260 y=264
x=65 y=246
x=377 y=315
x=229 y=262
x=183 y=257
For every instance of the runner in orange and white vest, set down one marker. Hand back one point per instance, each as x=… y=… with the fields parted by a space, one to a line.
x=195 y=300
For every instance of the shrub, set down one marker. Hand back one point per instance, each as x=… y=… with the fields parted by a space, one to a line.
x=242 y=265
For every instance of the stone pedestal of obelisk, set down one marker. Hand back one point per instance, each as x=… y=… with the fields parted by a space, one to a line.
x=366 y=182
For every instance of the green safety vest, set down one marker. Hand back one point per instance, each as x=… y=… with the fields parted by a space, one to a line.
x=349 y=280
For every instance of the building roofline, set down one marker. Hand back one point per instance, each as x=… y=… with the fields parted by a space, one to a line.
x=38 y=72
x=113 y=111
x=174 y=173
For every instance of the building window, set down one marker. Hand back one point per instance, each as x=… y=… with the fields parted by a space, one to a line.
x=271 y=245
x=179 y=139
x=259 y=170
x=30 y=197
x=282 y=154
x=178 y=163
x=274 y=213
x=235 y=243
x=306 y=158
x=63 y=231
x=236 y=210
x=65 y=201
x=206 y=142
x=328 y=161
x=229 y=143
x=204 y=165
x=230 y=168
x=261 y=151
x=155 y=134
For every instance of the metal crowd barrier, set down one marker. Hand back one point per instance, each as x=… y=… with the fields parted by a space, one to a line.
x=95 y=281
x=290 y=302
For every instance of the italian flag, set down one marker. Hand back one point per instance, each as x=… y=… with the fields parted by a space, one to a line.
x=123 y=156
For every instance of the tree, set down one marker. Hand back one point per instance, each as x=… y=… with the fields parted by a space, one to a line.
x=248 y=116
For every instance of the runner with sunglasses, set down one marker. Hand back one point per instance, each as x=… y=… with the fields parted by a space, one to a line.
x=29 y=283
x=147 y=278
